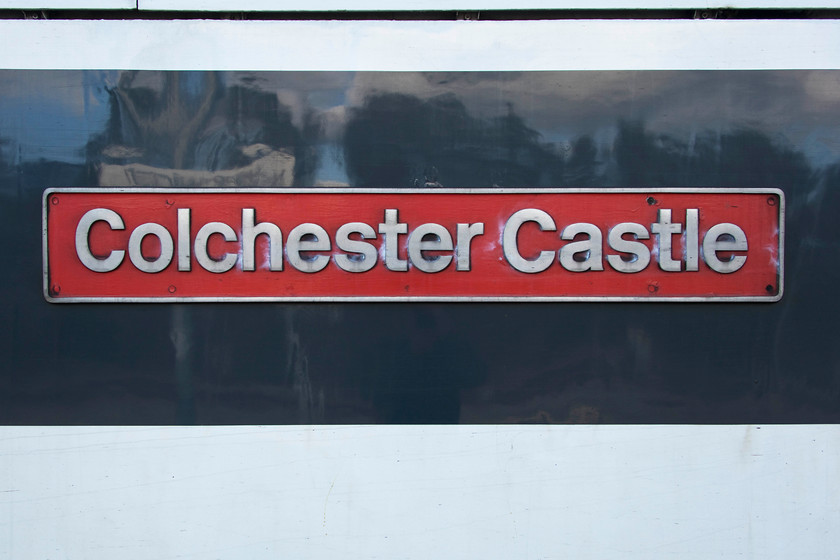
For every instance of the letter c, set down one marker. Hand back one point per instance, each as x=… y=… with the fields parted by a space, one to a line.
x=509 y=240
x=115 y=258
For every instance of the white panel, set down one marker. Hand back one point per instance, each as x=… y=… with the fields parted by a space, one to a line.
x=607 y=492
x=406 y=5
x=336 y=45
x=68 y=4
x=374 y=5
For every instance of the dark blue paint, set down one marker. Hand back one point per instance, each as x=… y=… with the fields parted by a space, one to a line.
x=406 y=363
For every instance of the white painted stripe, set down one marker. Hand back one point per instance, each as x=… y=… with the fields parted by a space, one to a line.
x=337 y=45
x=405 y=5
x=689 y=492
x=68 y=4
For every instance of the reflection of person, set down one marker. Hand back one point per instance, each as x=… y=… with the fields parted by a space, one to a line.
x=424 y=370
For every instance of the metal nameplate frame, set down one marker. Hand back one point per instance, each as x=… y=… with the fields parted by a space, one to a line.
x=65 y=280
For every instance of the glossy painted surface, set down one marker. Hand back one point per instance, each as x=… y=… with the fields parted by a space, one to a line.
x=404 y=363
x=523 y=491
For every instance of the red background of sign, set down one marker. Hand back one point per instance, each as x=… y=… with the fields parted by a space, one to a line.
x=491 y=277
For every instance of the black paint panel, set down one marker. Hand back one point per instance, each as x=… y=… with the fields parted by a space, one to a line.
x=407 y=363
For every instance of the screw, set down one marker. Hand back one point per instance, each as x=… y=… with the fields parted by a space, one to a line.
x=771 y=201
x=54 y=200
x=171 y=289
x=651 y=201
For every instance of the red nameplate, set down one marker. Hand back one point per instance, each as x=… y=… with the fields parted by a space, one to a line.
x=430 y=245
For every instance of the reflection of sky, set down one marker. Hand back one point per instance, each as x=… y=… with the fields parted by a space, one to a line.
x=331 y=169
x=51 y=115
x=564 y=105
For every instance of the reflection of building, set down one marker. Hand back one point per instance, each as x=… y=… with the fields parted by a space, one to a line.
x=188 y=129
x=269 y=168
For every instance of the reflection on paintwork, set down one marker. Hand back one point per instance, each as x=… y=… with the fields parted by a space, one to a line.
x=188 y=130
x=269 y=168
x=348 y=363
